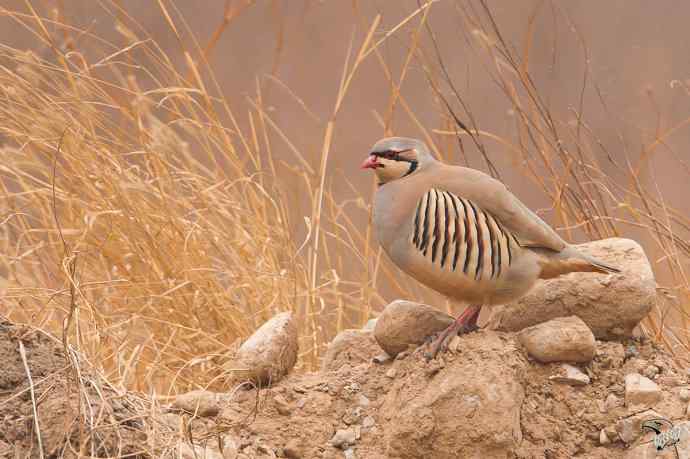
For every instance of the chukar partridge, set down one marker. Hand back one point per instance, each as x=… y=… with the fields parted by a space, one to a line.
x=461 y=232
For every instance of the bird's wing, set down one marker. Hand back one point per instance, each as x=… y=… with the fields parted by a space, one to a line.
x=493 y=197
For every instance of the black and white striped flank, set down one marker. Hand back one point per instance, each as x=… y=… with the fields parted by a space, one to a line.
x=456 y=234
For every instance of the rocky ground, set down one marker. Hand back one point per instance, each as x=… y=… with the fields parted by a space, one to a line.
x=485 y=397
x=550 y=389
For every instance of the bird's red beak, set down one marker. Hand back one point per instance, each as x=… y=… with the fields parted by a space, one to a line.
x=370 y=163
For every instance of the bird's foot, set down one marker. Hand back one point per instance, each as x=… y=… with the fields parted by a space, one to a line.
x=440 y=342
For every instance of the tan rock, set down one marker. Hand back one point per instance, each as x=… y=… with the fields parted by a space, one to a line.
x=201 y=403
x=610 y=304
x=269 y=354
x=350 y=346
x=641 y=391
x=404 y=323
x=568 y=374
x=188 y=451
x=566 y=339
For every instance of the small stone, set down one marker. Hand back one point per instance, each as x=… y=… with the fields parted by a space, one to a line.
x=350 y=454
x=300 y=403
x=684 y=394
x=650 y=371
x=293 y=449
x=381 y=358
x=344 y=438
x=391 y=373
x=403 y=355
x=612 y=402
x=198 y=402
x=563 y=339
x=282 y=405
x=404 y=323
x=568 y=374
x=603 y=438
x=368 y=422
x=352 y=416
x=363 y=401
x=640 y=391
x=454 y=345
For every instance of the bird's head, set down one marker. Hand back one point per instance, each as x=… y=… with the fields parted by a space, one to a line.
x=393 y=158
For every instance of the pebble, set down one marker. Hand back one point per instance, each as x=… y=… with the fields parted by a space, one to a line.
x=198 y=402
x=350 y=454
x=603 y=438
x=684 y=394
x=368 y=422
x=344 y=438
x=381 y=358
x=391 y=373
x=611 y=402
x=640 y=391
x=568 y=374
x=363 y=400
x=282 y=405
x=650 y=371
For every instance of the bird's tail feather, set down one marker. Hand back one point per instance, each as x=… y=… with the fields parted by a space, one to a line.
x=572 y=260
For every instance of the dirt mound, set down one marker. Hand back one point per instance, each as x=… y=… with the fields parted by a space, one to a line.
x=483 y=398
x=78 y=413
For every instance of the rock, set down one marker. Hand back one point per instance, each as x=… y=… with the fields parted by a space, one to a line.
x=610 y=304
x=612 y=402
x=282 y=405
x=368 y=422
x=199 y=402
x=293 y=449
x=650 y=371
x=344 y=438
x=432 y=418
x=350 y=346
x=404 y=323
x=363 y=401
x=568 y=374
x=187 y=451
x=563 y=339
x=269 y=354
x=603 y=438
x=630 y=429
x=350 y=454
x=381 y=358
x=641 y=391
x=684 y=394
x=391 y=373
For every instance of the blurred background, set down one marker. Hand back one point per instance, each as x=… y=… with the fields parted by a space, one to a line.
x=567 y=102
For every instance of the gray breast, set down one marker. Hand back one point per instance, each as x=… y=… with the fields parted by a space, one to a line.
x=454 y=234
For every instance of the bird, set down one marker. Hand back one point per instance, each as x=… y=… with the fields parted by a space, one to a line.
x=462 y=233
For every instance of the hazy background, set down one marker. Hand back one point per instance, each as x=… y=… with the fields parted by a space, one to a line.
x=636 y=50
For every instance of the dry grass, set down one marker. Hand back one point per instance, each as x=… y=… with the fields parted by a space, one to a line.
x=139 y=217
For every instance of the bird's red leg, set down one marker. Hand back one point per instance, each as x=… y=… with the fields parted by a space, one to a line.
x=465 y=323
